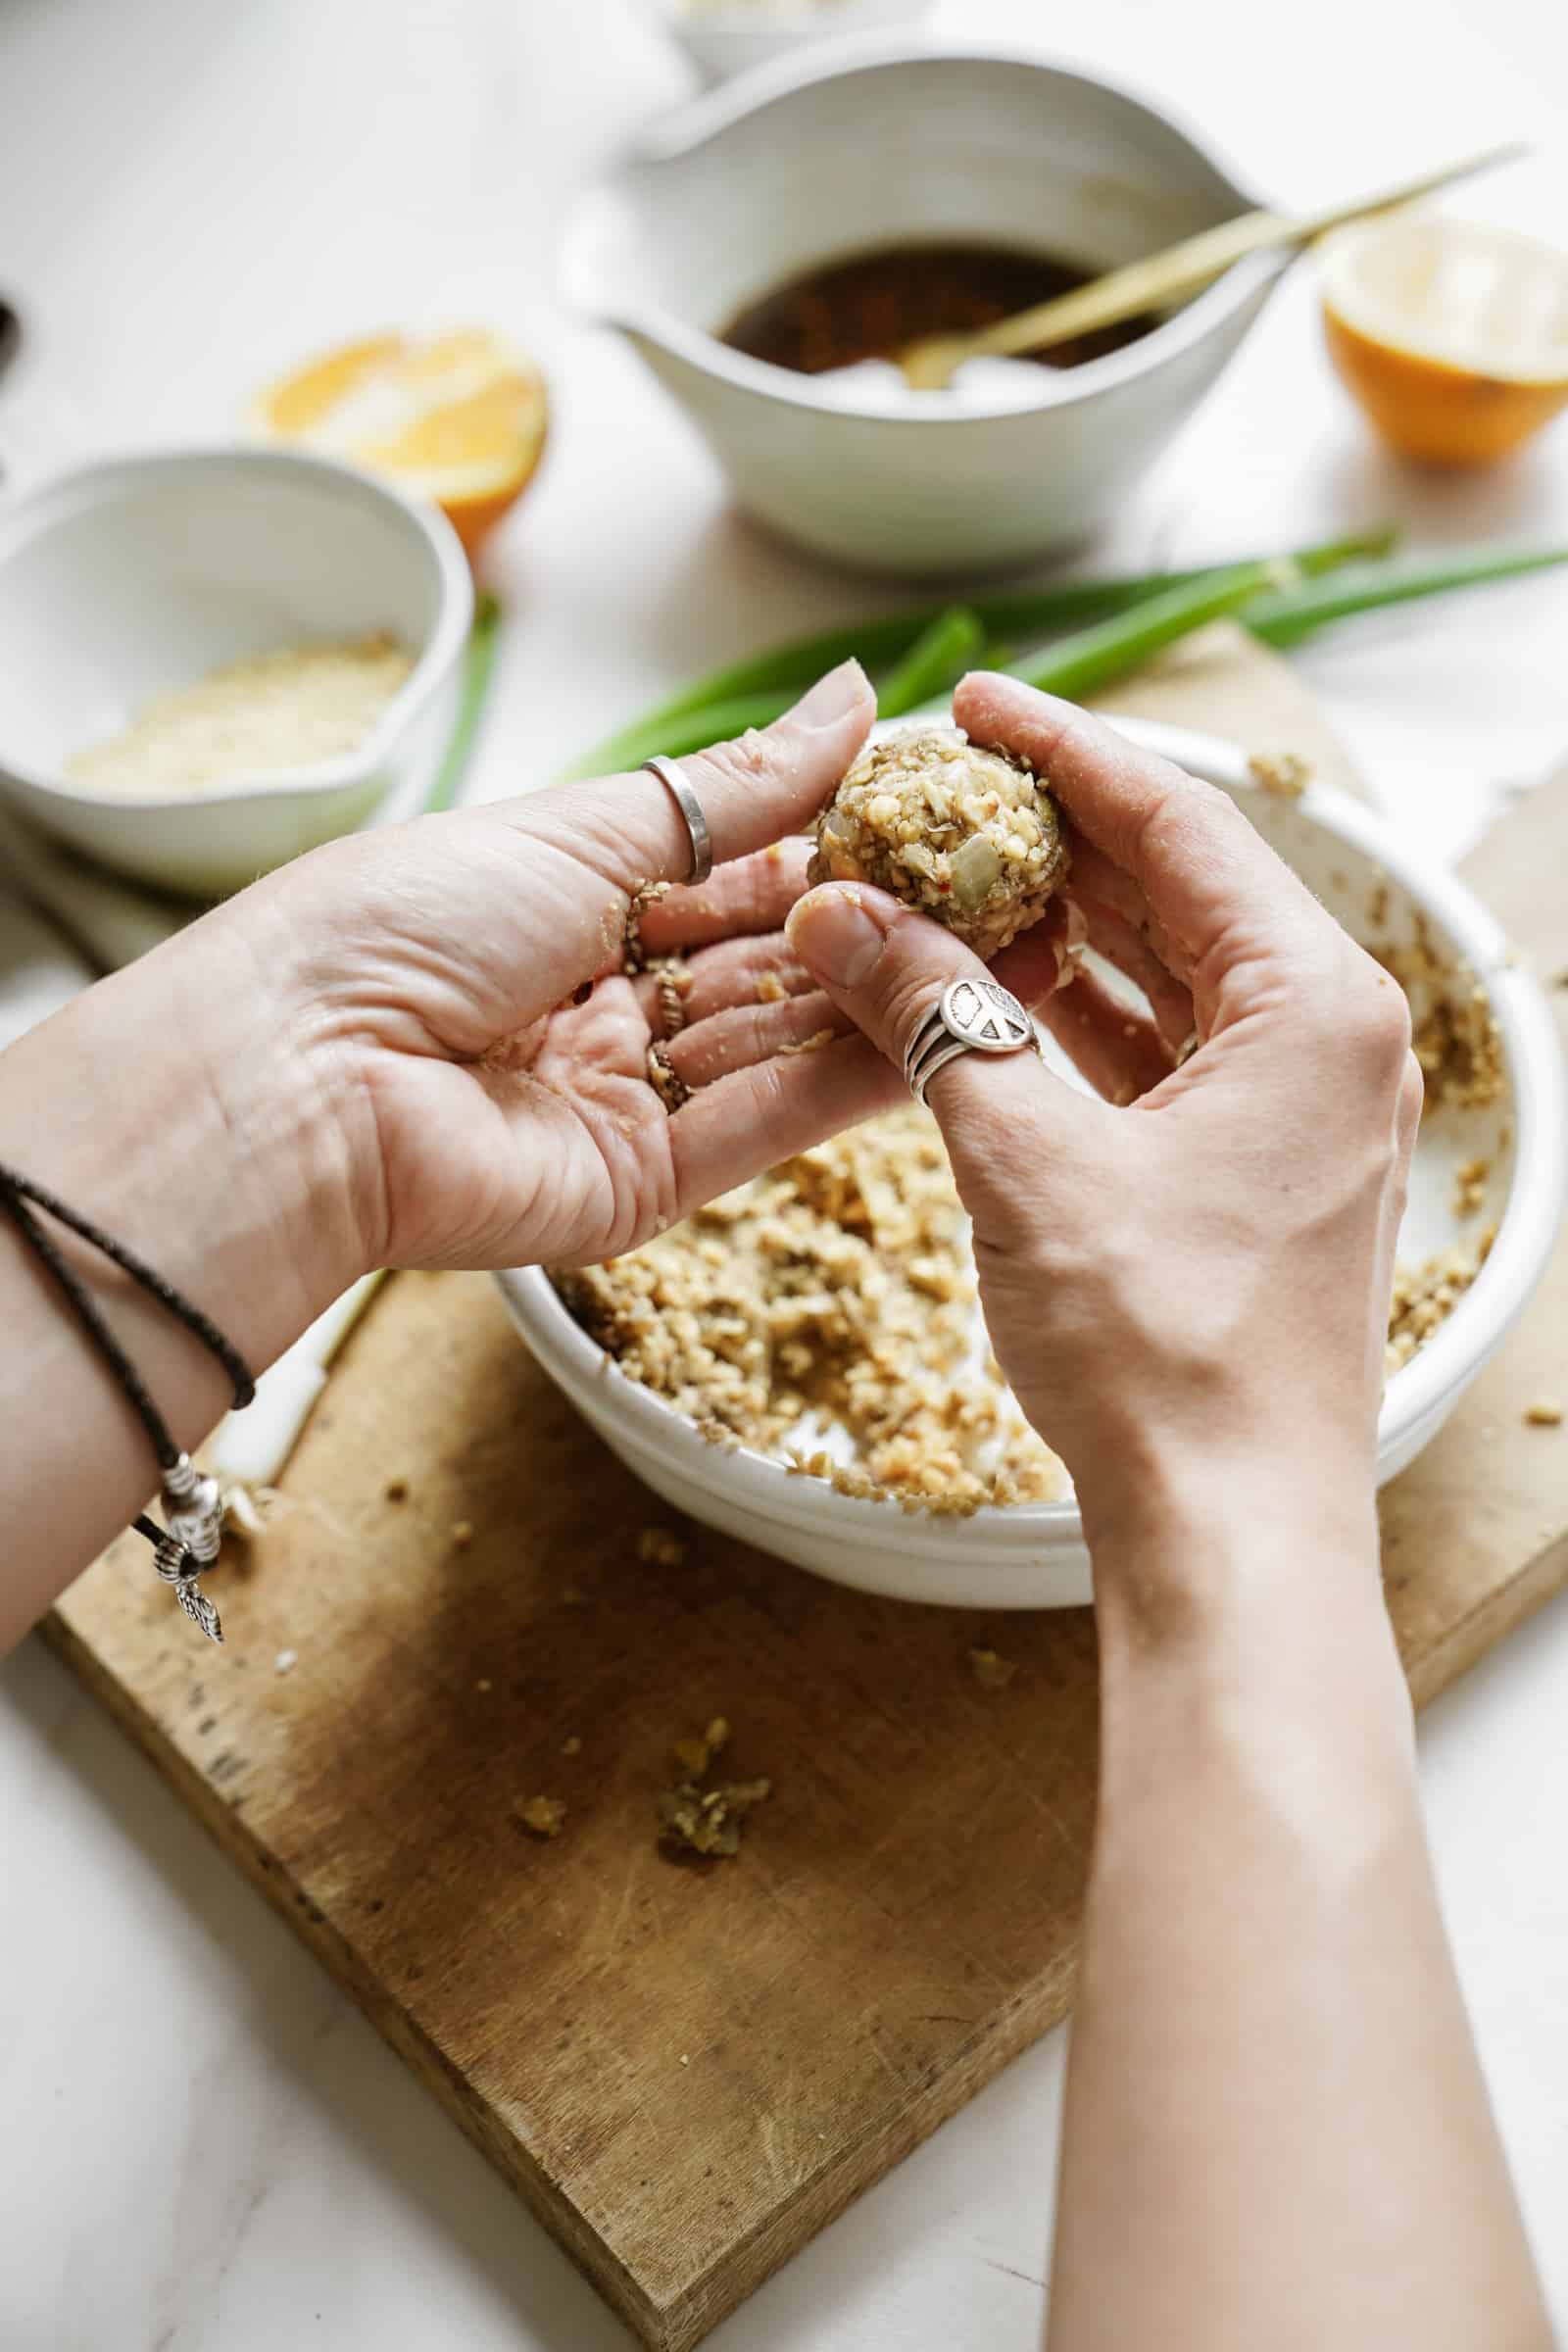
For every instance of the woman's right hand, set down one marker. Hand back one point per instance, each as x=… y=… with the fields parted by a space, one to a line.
x=1196 y=1266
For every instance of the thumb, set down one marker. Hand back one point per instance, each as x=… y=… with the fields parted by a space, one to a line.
x=767 y=783
x=886 y=967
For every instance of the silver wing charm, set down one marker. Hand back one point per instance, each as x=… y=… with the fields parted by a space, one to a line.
x=199 y=1610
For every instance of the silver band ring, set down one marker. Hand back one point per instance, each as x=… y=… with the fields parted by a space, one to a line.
x=691 y=809
x=972 y=1016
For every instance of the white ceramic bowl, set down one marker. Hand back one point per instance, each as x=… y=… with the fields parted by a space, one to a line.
x=722 y=40
x=146 y=572
x=855 y=146
x=1031 y=1555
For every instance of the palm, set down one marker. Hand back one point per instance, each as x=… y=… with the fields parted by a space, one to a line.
x=513 y=1124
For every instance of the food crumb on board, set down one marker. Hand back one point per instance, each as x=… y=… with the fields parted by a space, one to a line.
x=542 y=1816
x=1545 y=1413
x=661 y=1548
x=463 y=1533
x=396 y=1490
x=1282 y=773
x=484 y=1683
x=990 y=1671
x=684 y=2059
x=572 y=1746
x=286 y=1661
x=708 y=1822
x=696 y=1820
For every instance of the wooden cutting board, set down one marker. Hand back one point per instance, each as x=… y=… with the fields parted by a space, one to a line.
x=686 y=2072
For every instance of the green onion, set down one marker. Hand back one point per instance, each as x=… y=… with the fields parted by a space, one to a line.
x=934 y=662
x=1030 y=615
x=1076 y=665
x=687 y=731
x=1291 y=616
x=478 y=664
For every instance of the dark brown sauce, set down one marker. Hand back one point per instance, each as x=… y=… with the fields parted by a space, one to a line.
x=872 y=304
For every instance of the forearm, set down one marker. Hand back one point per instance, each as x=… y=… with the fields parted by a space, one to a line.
x=1276 y=2130
x=165 y=1105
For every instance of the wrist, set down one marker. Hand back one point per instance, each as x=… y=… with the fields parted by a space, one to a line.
x=1185 y=1538
x=176 y=1105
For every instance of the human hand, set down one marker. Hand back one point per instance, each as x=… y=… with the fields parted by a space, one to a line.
x=451 y=994
x=420 y=987
x=1197 y=1265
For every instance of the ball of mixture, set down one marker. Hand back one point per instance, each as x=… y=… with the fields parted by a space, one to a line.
x=970 y=836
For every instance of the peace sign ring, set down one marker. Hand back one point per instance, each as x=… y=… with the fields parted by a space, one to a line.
x=973 y=1017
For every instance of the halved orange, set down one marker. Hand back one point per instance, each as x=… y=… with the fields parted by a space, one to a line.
x=1453 y=337
x=460 y=418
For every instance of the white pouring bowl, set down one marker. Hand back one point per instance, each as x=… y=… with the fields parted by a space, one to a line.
x=734 y=37
x=866 y=144
x=1031 y=1555
x=141 y=573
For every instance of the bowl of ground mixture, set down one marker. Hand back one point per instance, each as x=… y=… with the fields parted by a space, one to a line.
x=803 y=1363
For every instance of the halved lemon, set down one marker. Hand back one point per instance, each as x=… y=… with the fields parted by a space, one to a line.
x=461 y=419
x=1453 y=337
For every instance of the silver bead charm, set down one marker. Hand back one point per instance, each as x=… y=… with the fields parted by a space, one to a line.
x=193 y=1509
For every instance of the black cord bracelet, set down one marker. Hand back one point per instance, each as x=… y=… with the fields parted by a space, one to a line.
x=192 y=1503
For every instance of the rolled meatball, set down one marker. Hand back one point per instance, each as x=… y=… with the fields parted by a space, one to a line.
x=970 y=836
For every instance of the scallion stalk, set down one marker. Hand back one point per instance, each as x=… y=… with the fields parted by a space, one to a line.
x=1076 y=665
x=1290 y=616
x=934 y=662
x=1029 y=615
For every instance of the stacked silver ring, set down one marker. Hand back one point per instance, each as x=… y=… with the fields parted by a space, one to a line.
x=972 y=1016
x=691 y=809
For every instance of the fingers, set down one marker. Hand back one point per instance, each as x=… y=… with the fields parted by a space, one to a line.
x=742 y=971
x=752 y=895
x=1207 y=875
x=628 y=829
x=886 y=967
x=1120 y=1051
x=746 y=1033
x=775 y=1109
x=1111 y=935
x=1093 y=876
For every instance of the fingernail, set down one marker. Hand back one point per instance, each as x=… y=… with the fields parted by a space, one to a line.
x=831 y=699
x=834 y=937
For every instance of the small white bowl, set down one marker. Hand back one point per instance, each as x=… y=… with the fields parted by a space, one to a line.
x=722 y=40
x=1031 y=1555
x=142 y=573
x=866 y=144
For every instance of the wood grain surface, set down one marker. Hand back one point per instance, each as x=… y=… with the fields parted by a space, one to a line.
x=687 y=2071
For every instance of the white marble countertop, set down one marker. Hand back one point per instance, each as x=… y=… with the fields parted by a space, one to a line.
x=206 y=2146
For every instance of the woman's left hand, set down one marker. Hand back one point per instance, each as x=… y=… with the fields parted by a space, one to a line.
x=454 y=994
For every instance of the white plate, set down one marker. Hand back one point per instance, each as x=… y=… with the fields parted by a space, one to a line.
x=1033 y=1555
